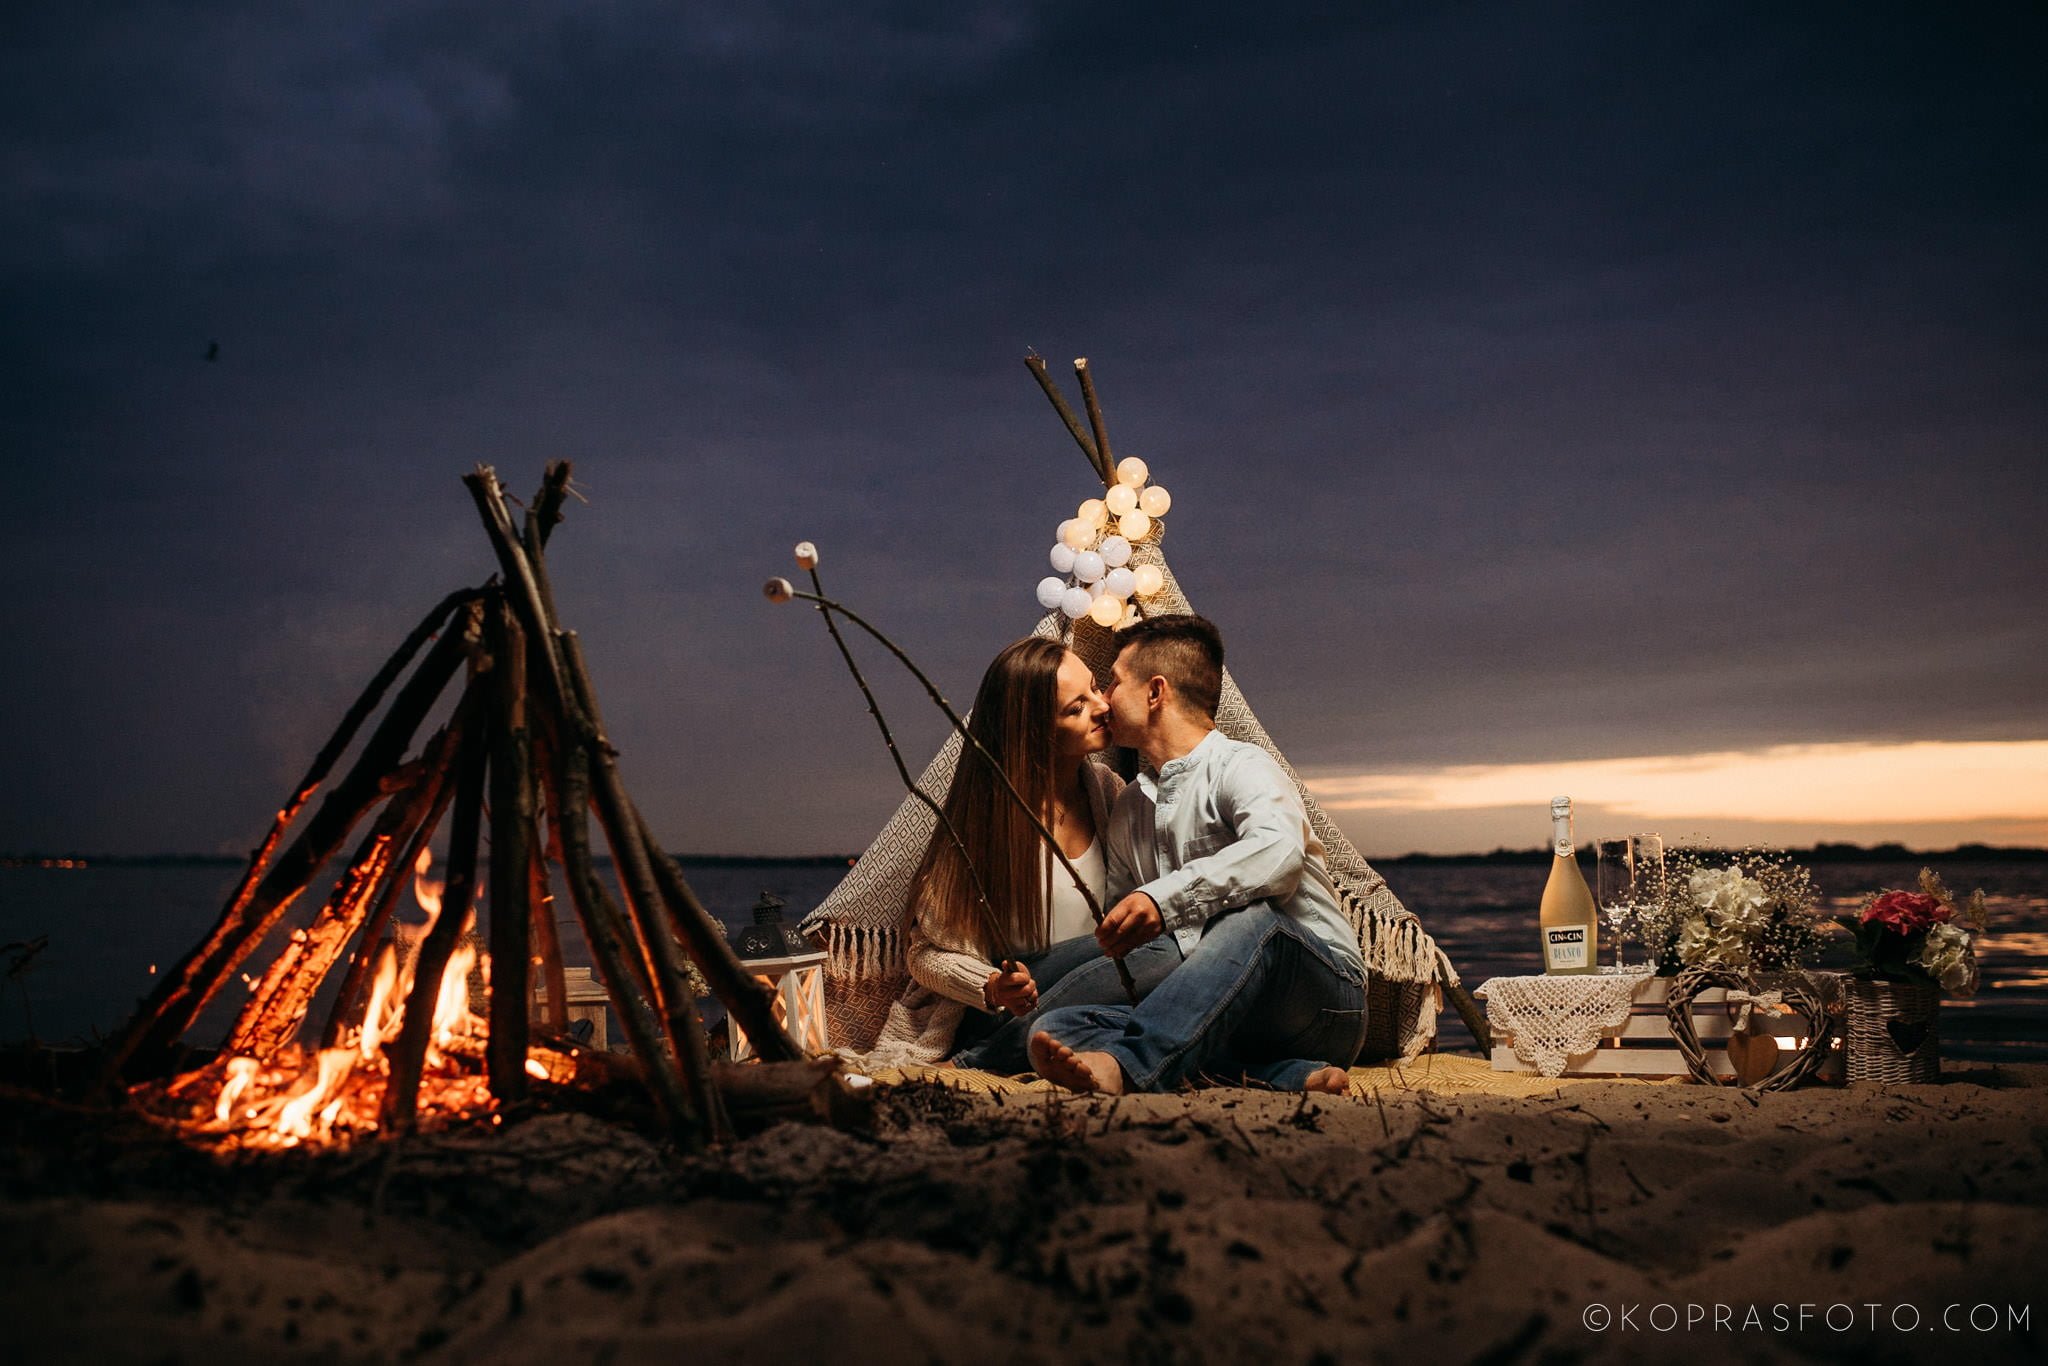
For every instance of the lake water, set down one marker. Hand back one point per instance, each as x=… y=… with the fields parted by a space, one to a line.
x=108 y=925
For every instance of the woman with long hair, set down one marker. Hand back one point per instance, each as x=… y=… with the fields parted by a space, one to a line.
x=1039 y=712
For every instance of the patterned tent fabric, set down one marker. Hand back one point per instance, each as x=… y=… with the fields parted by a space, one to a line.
x=862 y=923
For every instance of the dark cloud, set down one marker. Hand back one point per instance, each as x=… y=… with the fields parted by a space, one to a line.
x=1534 y=380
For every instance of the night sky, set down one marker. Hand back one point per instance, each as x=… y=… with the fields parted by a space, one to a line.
x=1536 y=383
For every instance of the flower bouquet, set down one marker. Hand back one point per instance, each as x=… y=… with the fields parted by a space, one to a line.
x=1911 y=948
x=1753 y=911
x=1728 y=921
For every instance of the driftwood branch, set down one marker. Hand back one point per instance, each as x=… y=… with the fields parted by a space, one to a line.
x=511 y=892
x=677 y=998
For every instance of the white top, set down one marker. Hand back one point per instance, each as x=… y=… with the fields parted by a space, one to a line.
x=1070 y=917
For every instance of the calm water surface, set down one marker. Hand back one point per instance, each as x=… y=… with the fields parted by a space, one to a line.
x=107 y=927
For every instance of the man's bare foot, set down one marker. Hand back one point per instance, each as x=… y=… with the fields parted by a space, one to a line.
x=1088 y=1073
x=1333 y=1081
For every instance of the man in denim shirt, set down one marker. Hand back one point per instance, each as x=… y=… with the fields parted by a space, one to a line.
x=1212 y=845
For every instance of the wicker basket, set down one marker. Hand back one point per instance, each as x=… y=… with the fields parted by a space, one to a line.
x=1893 y=1031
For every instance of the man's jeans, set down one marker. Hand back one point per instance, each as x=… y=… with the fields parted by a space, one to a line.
x=1073 y=972
x=1260 y=999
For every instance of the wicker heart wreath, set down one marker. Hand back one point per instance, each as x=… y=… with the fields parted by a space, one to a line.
x=1793 y=990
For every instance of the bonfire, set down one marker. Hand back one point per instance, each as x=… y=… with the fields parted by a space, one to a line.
x=521 y=757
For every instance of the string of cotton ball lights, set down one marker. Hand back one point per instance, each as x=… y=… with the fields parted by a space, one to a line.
x=1092 y=574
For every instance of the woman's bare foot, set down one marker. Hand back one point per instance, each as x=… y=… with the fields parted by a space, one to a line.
x=1333 y=1081
x=1088 y=1073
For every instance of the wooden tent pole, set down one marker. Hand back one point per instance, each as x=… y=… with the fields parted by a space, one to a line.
x=1105 y=463
x=511 y=892
x=408 y=1056
x=192 y=984
x=1036 y=364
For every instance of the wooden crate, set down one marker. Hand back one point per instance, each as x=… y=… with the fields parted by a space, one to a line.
x=1642 y=1045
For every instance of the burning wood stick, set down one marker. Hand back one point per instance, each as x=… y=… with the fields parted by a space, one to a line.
x=1036 y=364
x=402 y=871
x=351 y=721
x=279 y=1004
x=408 y=1057
x=512 y=905
x=199 y=976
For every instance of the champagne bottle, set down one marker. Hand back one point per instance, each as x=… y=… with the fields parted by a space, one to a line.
x=1568 y=919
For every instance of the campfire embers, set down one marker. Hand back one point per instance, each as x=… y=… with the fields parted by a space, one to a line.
x=401 y=1038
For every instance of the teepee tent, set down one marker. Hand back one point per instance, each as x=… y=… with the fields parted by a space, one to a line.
x=863 y=921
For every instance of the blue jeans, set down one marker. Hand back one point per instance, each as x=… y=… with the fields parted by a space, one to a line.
x=1260 y=999
x=1073 y=972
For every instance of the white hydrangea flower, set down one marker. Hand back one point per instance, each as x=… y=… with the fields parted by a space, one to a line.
x=1946 y=956
x=1729 y=897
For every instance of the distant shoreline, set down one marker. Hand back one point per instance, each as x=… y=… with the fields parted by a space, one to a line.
x=1822 y=853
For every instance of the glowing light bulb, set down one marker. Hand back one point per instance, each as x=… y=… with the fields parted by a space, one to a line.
x=1148 y=580
x=1050 y=591
x=1106 y=610
x=1094 y=512
x=1120 y=500
x=1132 y=472
x=1135 y=526
x=806 y=555
x=1075 y=602
x=1078 y=534
x=1121 y=582
x=1155 y=501
x=1116 y=551
x=1062 y=558
x=1088 y=566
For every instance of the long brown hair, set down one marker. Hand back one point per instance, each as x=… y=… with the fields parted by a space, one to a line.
x=1013 y=719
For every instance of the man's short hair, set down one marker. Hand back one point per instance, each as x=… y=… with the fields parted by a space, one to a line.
x=1187 y=651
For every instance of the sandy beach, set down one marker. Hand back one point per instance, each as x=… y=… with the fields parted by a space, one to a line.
x=1584 y=1221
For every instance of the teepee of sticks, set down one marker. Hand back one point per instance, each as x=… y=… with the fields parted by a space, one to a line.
x=522 y=758
x=862 y=922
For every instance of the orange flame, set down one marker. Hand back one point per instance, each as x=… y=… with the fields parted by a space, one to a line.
x=295 y=1120
x=241 y=1071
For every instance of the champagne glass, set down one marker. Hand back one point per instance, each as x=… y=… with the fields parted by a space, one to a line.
x=1614 y=886
x=1646 y=863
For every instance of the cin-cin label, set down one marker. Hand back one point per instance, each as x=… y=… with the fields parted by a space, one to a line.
x=1564 y=946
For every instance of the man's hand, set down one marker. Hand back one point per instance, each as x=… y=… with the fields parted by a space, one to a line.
x=1011 y=990
x=1133 y=921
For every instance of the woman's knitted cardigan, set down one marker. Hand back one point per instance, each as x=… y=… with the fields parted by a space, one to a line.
x=947 y=975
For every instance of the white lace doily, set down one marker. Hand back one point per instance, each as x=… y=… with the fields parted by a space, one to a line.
x=1552 y=1018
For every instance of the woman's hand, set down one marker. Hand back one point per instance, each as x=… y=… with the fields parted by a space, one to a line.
x=1011 y=990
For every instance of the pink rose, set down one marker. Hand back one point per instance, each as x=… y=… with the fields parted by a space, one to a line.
x=1907 y=912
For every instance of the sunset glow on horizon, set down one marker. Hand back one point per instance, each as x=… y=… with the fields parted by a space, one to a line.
x=2000 y=784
